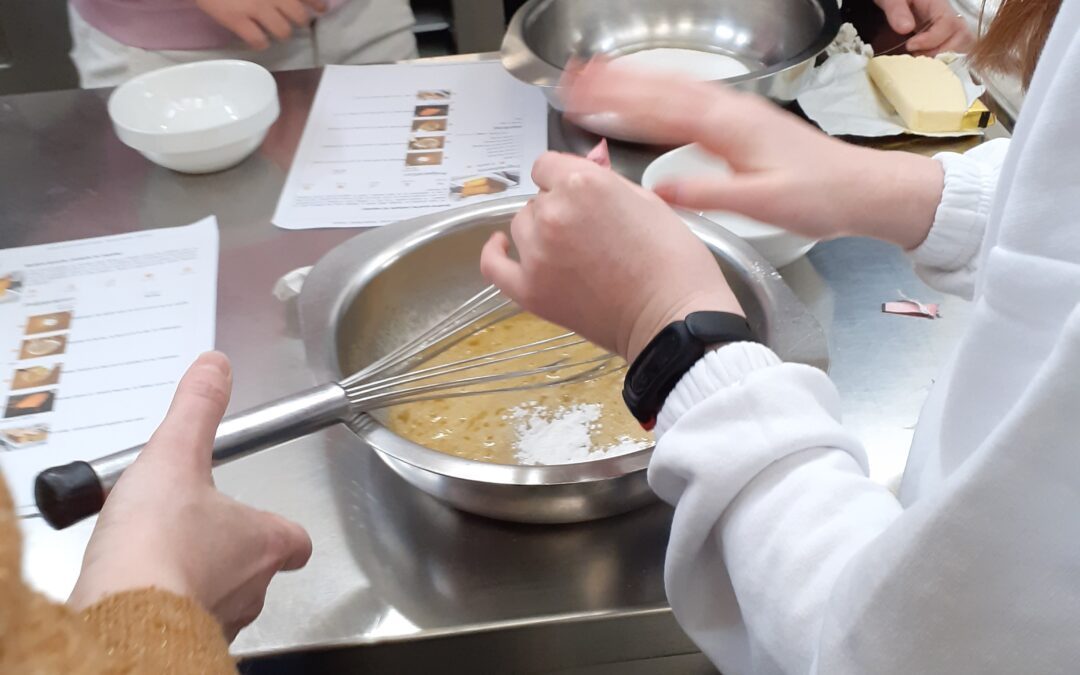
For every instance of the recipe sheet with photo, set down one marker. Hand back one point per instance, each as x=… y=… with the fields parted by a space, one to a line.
x=387 y=143
x=94 y=335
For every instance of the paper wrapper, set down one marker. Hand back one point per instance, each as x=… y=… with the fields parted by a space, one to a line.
x=843 y=101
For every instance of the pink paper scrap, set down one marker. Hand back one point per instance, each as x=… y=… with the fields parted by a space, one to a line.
x=911 y=308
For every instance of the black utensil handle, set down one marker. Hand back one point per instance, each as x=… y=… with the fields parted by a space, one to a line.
x=69 y=493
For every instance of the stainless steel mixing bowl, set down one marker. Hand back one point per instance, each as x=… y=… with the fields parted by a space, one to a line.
x=777 y=39
x=378 y=289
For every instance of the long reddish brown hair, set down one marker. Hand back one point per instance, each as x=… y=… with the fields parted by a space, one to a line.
x=1015 y=38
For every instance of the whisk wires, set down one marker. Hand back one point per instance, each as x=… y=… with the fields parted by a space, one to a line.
x=394 y=378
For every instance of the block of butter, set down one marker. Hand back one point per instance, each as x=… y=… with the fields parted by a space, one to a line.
x=928 y=96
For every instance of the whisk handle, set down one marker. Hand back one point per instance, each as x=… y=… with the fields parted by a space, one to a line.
x=279 y=421
x=69 y=493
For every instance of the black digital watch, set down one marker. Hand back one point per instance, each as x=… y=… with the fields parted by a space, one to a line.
x=669 y=355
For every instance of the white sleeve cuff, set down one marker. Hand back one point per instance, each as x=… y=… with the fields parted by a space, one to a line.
x=716 y=370
x=960 y=221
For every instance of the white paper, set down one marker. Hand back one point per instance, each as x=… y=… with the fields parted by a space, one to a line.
x=94 y=335
x=386 y=143
x=843 y=100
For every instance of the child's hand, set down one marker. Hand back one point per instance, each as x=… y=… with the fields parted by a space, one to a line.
x=253 y=20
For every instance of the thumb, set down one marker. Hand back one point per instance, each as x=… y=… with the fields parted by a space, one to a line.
x=500 y=269
x=898 y=13
x=185 y=437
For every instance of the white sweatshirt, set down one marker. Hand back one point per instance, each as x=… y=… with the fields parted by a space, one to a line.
x=786 y=558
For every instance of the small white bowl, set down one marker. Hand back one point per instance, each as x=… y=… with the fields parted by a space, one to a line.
x=196 y=117
x=775 y=244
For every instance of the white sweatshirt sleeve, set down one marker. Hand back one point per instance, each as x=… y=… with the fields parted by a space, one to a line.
x=772 y=502
x=946 y=259
x=785 y=557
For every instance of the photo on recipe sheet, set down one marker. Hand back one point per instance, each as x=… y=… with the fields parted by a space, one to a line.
x=490 y=183
x=22 y=437
x=427 y=142
x=19 y=405
x=47 y=323
x=428 y=126
x=37 y=347
x=424 y=159
x=36 y=376
x=389 y=143
x=10 y=286
x=425 y=111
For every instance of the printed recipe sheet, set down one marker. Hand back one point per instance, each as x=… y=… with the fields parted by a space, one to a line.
x=94 y=335
x=387 y=143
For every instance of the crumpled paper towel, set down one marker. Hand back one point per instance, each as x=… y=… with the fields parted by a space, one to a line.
x=288 y=287
x=843 y=100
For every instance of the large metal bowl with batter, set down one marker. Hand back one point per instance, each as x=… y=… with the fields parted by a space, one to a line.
x=778 y=40
x=381 y=288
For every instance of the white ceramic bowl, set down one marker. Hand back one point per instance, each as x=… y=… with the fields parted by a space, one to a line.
x=196 y=117
x=776 y=245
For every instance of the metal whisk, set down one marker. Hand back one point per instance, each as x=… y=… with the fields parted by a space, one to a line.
x=67 y=494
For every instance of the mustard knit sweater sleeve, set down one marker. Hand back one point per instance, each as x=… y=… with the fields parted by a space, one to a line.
x=143 y=631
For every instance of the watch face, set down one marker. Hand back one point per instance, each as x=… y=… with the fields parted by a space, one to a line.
x=657 y=368
x=716 y=327
x=655 y=360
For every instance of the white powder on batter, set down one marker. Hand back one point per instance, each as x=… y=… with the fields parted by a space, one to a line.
x=563 y=437
x=699 y=65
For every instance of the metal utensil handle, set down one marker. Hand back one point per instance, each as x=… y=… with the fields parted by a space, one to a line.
x=69 y=493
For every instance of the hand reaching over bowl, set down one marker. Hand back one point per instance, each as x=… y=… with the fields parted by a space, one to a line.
x=609 y=260
x=782 y=170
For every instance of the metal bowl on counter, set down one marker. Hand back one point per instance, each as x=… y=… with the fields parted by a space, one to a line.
x=777 y=40
x=377 y=290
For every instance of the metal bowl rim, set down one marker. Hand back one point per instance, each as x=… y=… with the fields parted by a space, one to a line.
x=514 y=46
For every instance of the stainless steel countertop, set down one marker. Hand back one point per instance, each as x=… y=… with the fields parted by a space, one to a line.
x=391 y=564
